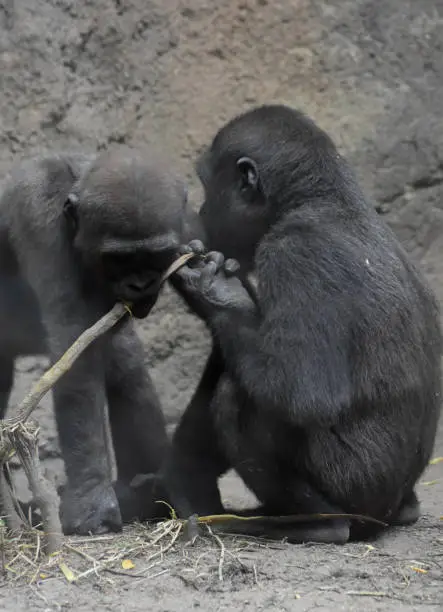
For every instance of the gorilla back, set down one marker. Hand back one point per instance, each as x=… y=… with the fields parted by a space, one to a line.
x=326 y=387
x=78 y=233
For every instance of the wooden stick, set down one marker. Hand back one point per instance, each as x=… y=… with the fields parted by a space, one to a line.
x=19 y=435
x=64 y=364
x=25 y=442
x=177 y=264
x=16 y=433
x=233 y=519
x=7 y=505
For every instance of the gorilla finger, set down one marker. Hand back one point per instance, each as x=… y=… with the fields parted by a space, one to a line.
x=188 y=276
x=184 y=249
x=194 y=246
x=197 y=247
x=231 y=267
x=195 y=262
x=207 y=275
x=215 y=257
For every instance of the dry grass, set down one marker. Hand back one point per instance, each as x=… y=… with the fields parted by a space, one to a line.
x=215 y=564
x=140 y=551
x=22 y=557
x=23 y=561
x=19 y=436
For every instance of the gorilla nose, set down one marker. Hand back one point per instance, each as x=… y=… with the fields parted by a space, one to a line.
x=140 y=285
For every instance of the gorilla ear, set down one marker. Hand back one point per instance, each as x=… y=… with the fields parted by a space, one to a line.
x=70 y=210
x=249 y=172
x=71 y=202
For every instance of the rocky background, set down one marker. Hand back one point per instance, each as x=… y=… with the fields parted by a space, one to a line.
x=78 y=75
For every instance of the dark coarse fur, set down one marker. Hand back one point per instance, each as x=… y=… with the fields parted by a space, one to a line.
x=78 y=233
x=324 y=395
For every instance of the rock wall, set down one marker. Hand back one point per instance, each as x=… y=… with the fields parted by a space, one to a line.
x=79 y=75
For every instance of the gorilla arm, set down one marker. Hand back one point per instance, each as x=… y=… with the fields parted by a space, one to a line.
x=263 y=355
x=280 y=352
x=38 y=240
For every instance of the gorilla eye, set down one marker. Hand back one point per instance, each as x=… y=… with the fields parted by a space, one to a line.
x=248 y=173
x=70 y=211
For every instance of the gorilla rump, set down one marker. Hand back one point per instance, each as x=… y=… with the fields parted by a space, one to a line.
x=78 y=233
x=323 y=386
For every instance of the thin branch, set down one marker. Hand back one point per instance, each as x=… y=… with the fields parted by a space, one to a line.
x=16 y=433
x=65 y=363
x=25 y=442
x=7 y=505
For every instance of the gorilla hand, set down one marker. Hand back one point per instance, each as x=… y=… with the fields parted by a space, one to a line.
x=210 y=283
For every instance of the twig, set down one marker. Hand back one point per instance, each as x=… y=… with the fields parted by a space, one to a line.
x=7 y=506
x=19 y=435
x=63 y=365
x=24 y=440
x=177 y=264
x=222 y=553
x=2 y=548
x=368 y=593
x=233 y=520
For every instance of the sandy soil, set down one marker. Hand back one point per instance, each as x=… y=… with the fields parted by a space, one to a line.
x=403 y=570
x=80 y=75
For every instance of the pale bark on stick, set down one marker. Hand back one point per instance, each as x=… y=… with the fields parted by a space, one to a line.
x=25 y=442
x=65 y=363
x=7 y=505
x=16 y=433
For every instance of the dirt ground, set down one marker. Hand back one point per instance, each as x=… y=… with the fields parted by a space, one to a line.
x=80 y=75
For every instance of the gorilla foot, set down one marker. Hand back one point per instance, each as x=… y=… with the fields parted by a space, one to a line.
x=409 y=512
x=95 y=511
x=140 y=499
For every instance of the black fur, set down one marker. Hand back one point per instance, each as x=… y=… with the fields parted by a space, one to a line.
x=324 y=392
x=78 y=233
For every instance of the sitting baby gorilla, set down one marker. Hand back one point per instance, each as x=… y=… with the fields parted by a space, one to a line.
x=77 y=234
x=323 y=386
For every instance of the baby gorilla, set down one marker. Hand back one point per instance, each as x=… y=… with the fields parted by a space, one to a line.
x=77 y=234
x=323 y=387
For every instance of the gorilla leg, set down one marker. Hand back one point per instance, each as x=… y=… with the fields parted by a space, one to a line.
x=137 y=424
x=409 y=512
x=255 y=451
x=211 y=432
x=78 y=234
x=21 y=331
x=291 y=496
x=88 y=502
x=6 y=381
x=196 y=460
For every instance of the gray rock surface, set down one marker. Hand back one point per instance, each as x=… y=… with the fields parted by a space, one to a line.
x=81 y=74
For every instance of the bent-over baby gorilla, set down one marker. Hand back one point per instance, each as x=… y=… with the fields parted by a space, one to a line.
x=323 y=386
x=78 y=233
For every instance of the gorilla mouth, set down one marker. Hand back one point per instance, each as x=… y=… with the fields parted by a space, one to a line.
x=140 y=310
x=140 y=293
